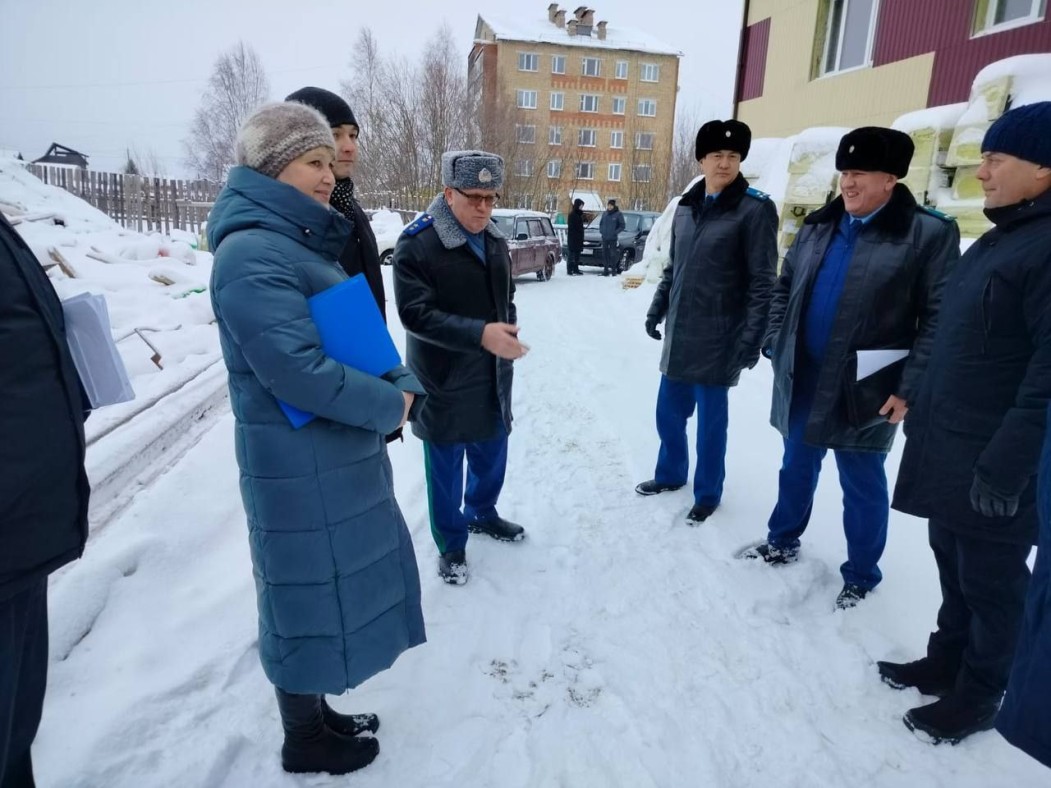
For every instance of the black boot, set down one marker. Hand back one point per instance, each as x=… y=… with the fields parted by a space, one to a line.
x=312 y=747
x=924 y=674
x=348 y=724
x=699 y=513
x=952 y=719
x=498 y=528
x=654 y=487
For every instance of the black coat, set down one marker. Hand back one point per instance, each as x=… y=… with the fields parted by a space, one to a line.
x=575 y=229
x=889 y=300
x=714 y=295
x=445 y=297
x=982 y=408
x=43 y=487
x=361 y=255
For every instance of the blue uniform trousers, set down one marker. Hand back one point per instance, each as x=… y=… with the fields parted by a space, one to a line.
x=676 y=401
x=866 y=502
x=451 y=506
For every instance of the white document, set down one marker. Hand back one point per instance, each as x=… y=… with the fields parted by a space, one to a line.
x=872 y=361
x=94 y=352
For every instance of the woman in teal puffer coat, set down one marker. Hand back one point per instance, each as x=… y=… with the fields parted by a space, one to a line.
x=336 y=579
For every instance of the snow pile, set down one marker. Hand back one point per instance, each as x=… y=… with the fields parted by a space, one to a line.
x=155 y=286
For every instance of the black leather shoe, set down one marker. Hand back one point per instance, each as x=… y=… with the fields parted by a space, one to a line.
x=452 y=567
x=348 y=724
x=699 y=513
x=498 y=528
x=923 y=674
x=654 y=487
x=951 y=719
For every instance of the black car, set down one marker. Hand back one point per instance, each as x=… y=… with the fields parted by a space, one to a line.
x=630 y=243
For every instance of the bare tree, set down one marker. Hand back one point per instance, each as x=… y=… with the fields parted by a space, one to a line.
x=684 y=146
x=237 y=86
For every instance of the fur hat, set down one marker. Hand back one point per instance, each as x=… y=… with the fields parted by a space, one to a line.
x=724 y=135
x=472 y=169
x=275 y=134
x=333 y=107
x=1024 y=132
x=875 y=149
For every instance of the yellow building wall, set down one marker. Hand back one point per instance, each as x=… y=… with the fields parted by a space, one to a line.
x=792 y=101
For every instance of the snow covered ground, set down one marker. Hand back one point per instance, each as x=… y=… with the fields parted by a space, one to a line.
x=616 y=646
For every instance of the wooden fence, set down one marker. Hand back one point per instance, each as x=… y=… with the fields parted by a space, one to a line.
x=137 y=202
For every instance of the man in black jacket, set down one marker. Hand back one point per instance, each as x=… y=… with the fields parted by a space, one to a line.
x=43 y=489
x=975 y=431
x=610 y=226
x=863 y=274
x=455 y=296
x=713 y=296
x=575 y=237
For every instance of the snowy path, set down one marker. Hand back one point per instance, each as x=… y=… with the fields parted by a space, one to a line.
x=615 y=646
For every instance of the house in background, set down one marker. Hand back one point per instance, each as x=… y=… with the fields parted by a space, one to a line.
x=577 y=107
x=60 y=154
x=806 y=63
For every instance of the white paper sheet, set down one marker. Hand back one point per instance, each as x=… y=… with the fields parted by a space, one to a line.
x=872 y=361
x=95 y=355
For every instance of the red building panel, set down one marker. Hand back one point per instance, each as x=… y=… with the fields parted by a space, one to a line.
x=907 y=28
x=754 y=45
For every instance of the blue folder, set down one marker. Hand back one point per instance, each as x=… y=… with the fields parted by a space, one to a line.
x=352 y=332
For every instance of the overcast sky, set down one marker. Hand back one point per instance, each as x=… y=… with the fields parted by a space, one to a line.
x=101 y=76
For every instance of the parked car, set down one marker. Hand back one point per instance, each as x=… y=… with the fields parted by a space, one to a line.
x=531 y=240
x=630 y=243
x=386 y=226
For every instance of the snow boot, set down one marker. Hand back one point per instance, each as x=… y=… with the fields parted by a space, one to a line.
x=923 y=674
x=699 y=513
x=850 y=596
x=951 y=719
x=452 y=567
x=348 y=724
x=310 y=746
x=654 y=487
x=771 y=554
x=498 y=528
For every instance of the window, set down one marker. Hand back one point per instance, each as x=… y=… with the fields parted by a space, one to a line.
x=554 y=135
x=587 y=138
x=523 y=167
x=591 y=67
x=647 y=108
x=992 y=16
x=526 y=99
x=619 y=103
x=621 y=70
x=528 y=61
x=585 y=170
x=640 y=173
x=558 y=101
x=588 y=102
x=554 y=169
x=849 y=32
x=551 y=204
x=644 y=140
x=650 y=72
x=616 y=139
x=558 y=64
x=525 y=134
x=614 y=172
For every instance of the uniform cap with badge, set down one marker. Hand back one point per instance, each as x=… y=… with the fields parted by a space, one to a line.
x=718 y=135
x=875 y=149
x=472 y=169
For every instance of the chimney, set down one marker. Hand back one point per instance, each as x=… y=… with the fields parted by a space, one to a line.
x=560 y=18
x=602 y=31
x=552 y=10
x=571 y=26
x=579 y=11
x=588 y=17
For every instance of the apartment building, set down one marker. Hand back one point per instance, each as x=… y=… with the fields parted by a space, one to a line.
x=578 y=108
x=806 y=63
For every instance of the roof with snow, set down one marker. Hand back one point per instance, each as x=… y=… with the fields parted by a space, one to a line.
x=539 y=29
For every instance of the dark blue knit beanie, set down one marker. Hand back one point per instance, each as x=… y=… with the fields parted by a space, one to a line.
x=1024 y=132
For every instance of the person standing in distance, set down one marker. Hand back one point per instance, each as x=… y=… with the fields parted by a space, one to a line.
x=455 y=297
x=575 y=237
x=713 y=299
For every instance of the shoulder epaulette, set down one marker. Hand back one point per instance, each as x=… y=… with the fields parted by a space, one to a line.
x=418 y=225
x=757 y=194
x=936 y=214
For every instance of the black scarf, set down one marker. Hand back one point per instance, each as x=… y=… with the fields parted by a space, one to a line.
x=342 y=198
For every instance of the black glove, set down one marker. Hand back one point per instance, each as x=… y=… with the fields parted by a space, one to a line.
x=746 y=358
x=651 y=327
x=768 y=353
x=990 y=501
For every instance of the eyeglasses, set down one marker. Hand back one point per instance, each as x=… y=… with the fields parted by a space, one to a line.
x=478 y=200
